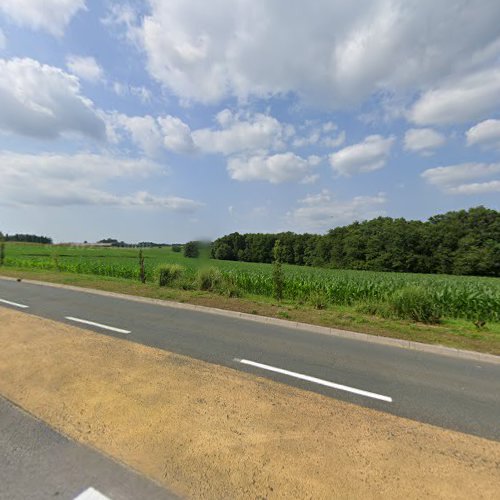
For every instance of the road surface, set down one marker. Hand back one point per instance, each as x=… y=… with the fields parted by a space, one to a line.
x=453 y=393
x=37 y=462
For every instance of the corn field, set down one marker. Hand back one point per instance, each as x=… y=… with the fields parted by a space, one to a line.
x=470 y=298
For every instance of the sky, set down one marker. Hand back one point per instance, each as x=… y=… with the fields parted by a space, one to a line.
x=171 y=120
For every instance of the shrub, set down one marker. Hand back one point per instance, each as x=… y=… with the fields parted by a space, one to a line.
x=176 y=248
x=142 y=268
x=278 y=275
x=191 y=249
x=210 y=279
x=166 y=274
x=415 y=303
x=318 y=300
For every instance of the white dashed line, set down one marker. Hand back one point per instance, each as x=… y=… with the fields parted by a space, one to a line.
x=91 y=494
x=15 y=304
x=315 y=380
x=99 y=325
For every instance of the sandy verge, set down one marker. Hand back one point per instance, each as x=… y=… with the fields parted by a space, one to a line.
x=212 y=432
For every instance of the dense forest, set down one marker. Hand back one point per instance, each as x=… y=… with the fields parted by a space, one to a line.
x=464 y=242
x=27 y=238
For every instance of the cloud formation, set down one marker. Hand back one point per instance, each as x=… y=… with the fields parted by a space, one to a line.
x=463 y=178
x=366 y=156
x=242 y=48
x=43 y=101
x=78 y=179
x=49 y=15
x=323 y=210
x=86 y=68
x=240 y=133
x=423 y=140
x=486 y=133
x=459 y=101
x=277 y=168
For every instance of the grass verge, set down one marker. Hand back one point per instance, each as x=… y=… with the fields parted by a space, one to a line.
x=452 y=333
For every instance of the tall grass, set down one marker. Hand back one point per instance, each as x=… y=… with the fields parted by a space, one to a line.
x=453 y=296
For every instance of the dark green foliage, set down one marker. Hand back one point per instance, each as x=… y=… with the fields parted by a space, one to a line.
x=167 y=274
x=27 y=238
x=176 y=248
x=191 y=249
x=142 y=269
x=210 y=279
x=466 y=242
x=415 y=303
x=278 y=275
x=2 y=252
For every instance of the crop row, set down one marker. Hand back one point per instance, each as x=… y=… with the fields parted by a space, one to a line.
x=455 y=297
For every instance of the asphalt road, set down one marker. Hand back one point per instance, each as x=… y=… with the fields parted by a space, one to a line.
x=452 y=393
x=38 y=462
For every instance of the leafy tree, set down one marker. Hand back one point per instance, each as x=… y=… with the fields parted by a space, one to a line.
x=461 y=242
x=191 y=249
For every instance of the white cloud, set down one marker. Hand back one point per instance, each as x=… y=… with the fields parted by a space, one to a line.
x=48 y=15
x=333 y=142
x=61 y=180
x=125 y=90
x=86 y=68
x=423 y=140
x=176 y=134
x=459 y=101
x=486 y=133
x=320 y=135
x=476 y=188
x=366 y=156
x=144 y=131
x=328 y=52
x=235 y=134
x=310 y=179
x=454 y=179
x=3 y=40
x=43 y=101
x=276 y=168
x=323 y=211
x=239 y=133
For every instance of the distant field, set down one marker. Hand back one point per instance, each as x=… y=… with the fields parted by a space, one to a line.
x=471 y=298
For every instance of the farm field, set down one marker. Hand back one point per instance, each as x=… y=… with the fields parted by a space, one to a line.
x=460 y=297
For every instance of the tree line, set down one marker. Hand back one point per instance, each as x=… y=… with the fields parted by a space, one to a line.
x=463 y=242
x=26 y=238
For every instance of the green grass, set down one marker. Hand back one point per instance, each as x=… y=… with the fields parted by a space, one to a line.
x=458 y=297
x=461 y=334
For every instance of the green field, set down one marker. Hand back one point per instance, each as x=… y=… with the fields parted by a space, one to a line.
x=459 y=297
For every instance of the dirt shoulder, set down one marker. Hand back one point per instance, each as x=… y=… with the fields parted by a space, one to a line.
x=451 y=333
x=211 y=432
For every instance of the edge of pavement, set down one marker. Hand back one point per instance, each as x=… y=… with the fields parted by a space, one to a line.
x=323 y=330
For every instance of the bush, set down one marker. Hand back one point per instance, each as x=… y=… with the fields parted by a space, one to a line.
x=176 y=248
x=209 y=279
x=191 y=249
x=166 y=274
x=318 y=300
x=278 y=275
x=415 y=303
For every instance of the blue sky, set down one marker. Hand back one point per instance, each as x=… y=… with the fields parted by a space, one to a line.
x=169 y=120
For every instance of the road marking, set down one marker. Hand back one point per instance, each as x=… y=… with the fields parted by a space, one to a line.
x=22 y=306
x=315 y=380
x=99 y=325
x=91 y=494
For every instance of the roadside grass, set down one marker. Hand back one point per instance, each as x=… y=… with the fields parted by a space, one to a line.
x=456 y=333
